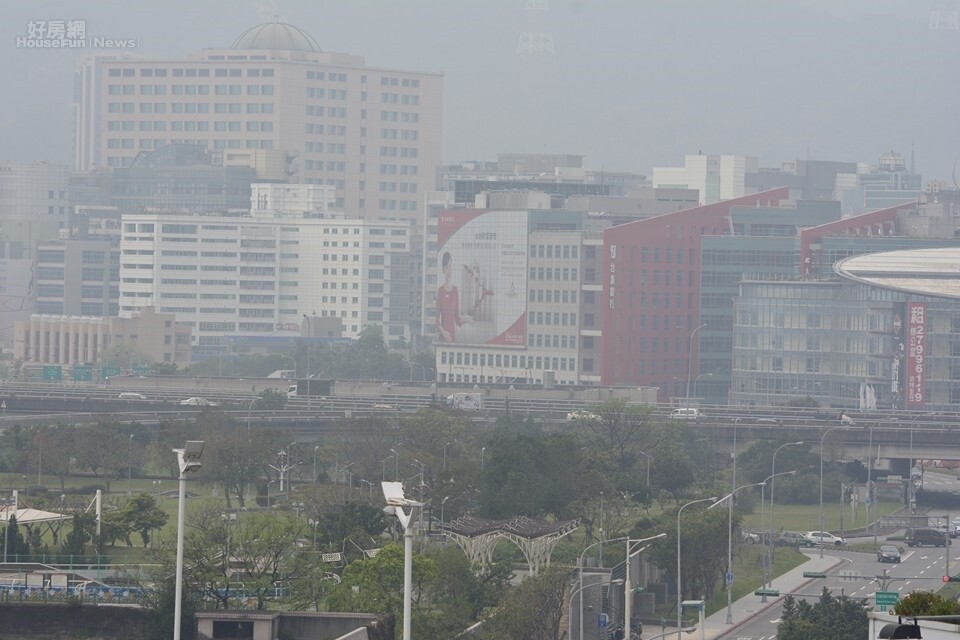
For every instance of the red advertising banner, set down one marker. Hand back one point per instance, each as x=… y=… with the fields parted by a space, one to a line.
x=916 y=352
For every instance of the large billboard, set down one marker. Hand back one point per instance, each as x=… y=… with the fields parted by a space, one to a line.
x=482 y=274
x=916 y=352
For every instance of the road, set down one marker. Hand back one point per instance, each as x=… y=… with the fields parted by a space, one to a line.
x=858 y=575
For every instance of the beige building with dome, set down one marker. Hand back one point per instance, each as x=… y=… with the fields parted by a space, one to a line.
x=273 y=98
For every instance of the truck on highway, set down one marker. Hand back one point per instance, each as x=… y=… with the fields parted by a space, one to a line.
x=465 y=401
x=310 y=387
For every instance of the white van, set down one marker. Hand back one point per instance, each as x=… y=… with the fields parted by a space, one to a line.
x=686 y=414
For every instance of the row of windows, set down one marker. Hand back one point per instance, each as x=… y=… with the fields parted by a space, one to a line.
x=386 y=81
x=331 y=76
x=405 y=187
x=401 y=134
x=565 y=274
x=331 y=112
x=553 y=295
x=189 y=72
x=332 y=130
x=552 y=341
x=399 y=98
x=405 y=169
x=513 y=361
x=343 y=285
x=402 y=205
x=553 y=251
x=556 y=318
x=396 y=116
x=402 y=152
x=333 y=94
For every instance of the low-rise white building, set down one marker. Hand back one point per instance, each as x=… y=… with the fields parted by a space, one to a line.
x=258 y=275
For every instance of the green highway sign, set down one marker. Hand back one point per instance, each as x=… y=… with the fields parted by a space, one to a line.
x=82 y=374
x=887 y=599
x=109 y=372
x=141 y=371
x=52 y=372
x=814 y=574
x=767 y=592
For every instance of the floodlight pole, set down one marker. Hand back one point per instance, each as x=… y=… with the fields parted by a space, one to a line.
x=407 y=575
x=186 y=462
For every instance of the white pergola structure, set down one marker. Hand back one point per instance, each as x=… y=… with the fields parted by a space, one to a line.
x=536 y=539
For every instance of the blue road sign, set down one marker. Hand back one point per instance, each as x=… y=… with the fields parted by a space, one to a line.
x=602 y=621
x=729 y=578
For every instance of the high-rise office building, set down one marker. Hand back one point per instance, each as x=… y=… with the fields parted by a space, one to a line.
x=374 y=134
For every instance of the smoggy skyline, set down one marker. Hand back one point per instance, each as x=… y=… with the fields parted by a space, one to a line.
x=630 y=85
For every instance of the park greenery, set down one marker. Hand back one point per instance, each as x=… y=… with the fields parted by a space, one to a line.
x=829 y=618
x=324 y=543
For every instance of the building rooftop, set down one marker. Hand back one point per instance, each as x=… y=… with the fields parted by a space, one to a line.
x=927 y=272
x=276 y=36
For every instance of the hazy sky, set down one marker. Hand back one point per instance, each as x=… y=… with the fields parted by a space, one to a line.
x=632 y=84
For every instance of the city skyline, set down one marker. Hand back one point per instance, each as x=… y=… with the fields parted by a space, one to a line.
x=630 y=87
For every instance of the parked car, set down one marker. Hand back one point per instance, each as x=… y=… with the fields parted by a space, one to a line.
x=816 y=538
x=750 y=537
x=791 y=539
x=197 y=401
x=920 y=536
x=583 y=416
x=129 y=395
x=955 y=528
x=888 y=553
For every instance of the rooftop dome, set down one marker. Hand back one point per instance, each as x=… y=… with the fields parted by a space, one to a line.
x=278 y=36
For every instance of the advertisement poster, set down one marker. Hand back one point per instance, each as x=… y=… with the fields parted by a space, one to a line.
x=482 y=276
x=916 y=352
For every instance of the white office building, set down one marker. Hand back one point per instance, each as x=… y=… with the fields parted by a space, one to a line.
x=374 y=134
x=716 y=177
x=242 y=276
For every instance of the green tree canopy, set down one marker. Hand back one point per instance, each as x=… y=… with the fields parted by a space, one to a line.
x=830 y=618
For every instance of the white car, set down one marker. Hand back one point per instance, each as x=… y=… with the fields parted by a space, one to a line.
x=583 y=416
x=129 y=395
x=197 y=401
x=816 y=538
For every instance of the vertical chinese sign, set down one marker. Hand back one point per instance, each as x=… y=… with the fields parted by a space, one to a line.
x=916 y=352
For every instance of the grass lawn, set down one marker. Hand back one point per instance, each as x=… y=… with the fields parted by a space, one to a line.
x=806 y=517
x=748 y=572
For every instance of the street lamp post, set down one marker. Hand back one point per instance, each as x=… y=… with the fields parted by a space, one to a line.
x=188 y=460
x=697 y=379
x=821 y=480
x=648 y=468
x=383 y=471
x=482 y=451
x=446 y=444
x=580 y=579
x=316 y=448
x=249 y=411
x=442 y=503
x=130 y=466
x=679 y=588
x=773 y=475
x=690 y=368
x=729 y=576
x=763 y=526
x=627 y=585
x=393 y=494
x=570 y=605
x=396 y=465
x=369 y=485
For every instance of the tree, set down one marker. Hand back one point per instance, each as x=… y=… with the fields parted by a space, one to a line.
x=103 y=449
x=703 y=548
x=926 y=603
x=142 y=515
x=124 y=356
x=270 y=399
x=532 y=610
x=830 y=618
x=673 y=469
x=621 y=429
x=376 y=584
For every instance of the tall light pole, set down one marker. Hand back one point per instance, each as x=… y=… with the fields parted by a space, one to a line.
x=679 y=588
x=689 y=370
x=188 y=460
x=383 y=471
x=393 y=494
x=648 y=467
x=316 y=448
x=396 y=466
x=729 y=576
x=627 y=585
x=821 y=480
x=870 y=492
x=601 y=529
x=773 y=474
x=697 y=379
x=580 y=580
x=911 y=486
x=763 y=527
x=130 y=466
x=446 y=444
x=580 y=617
x=442 y=503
